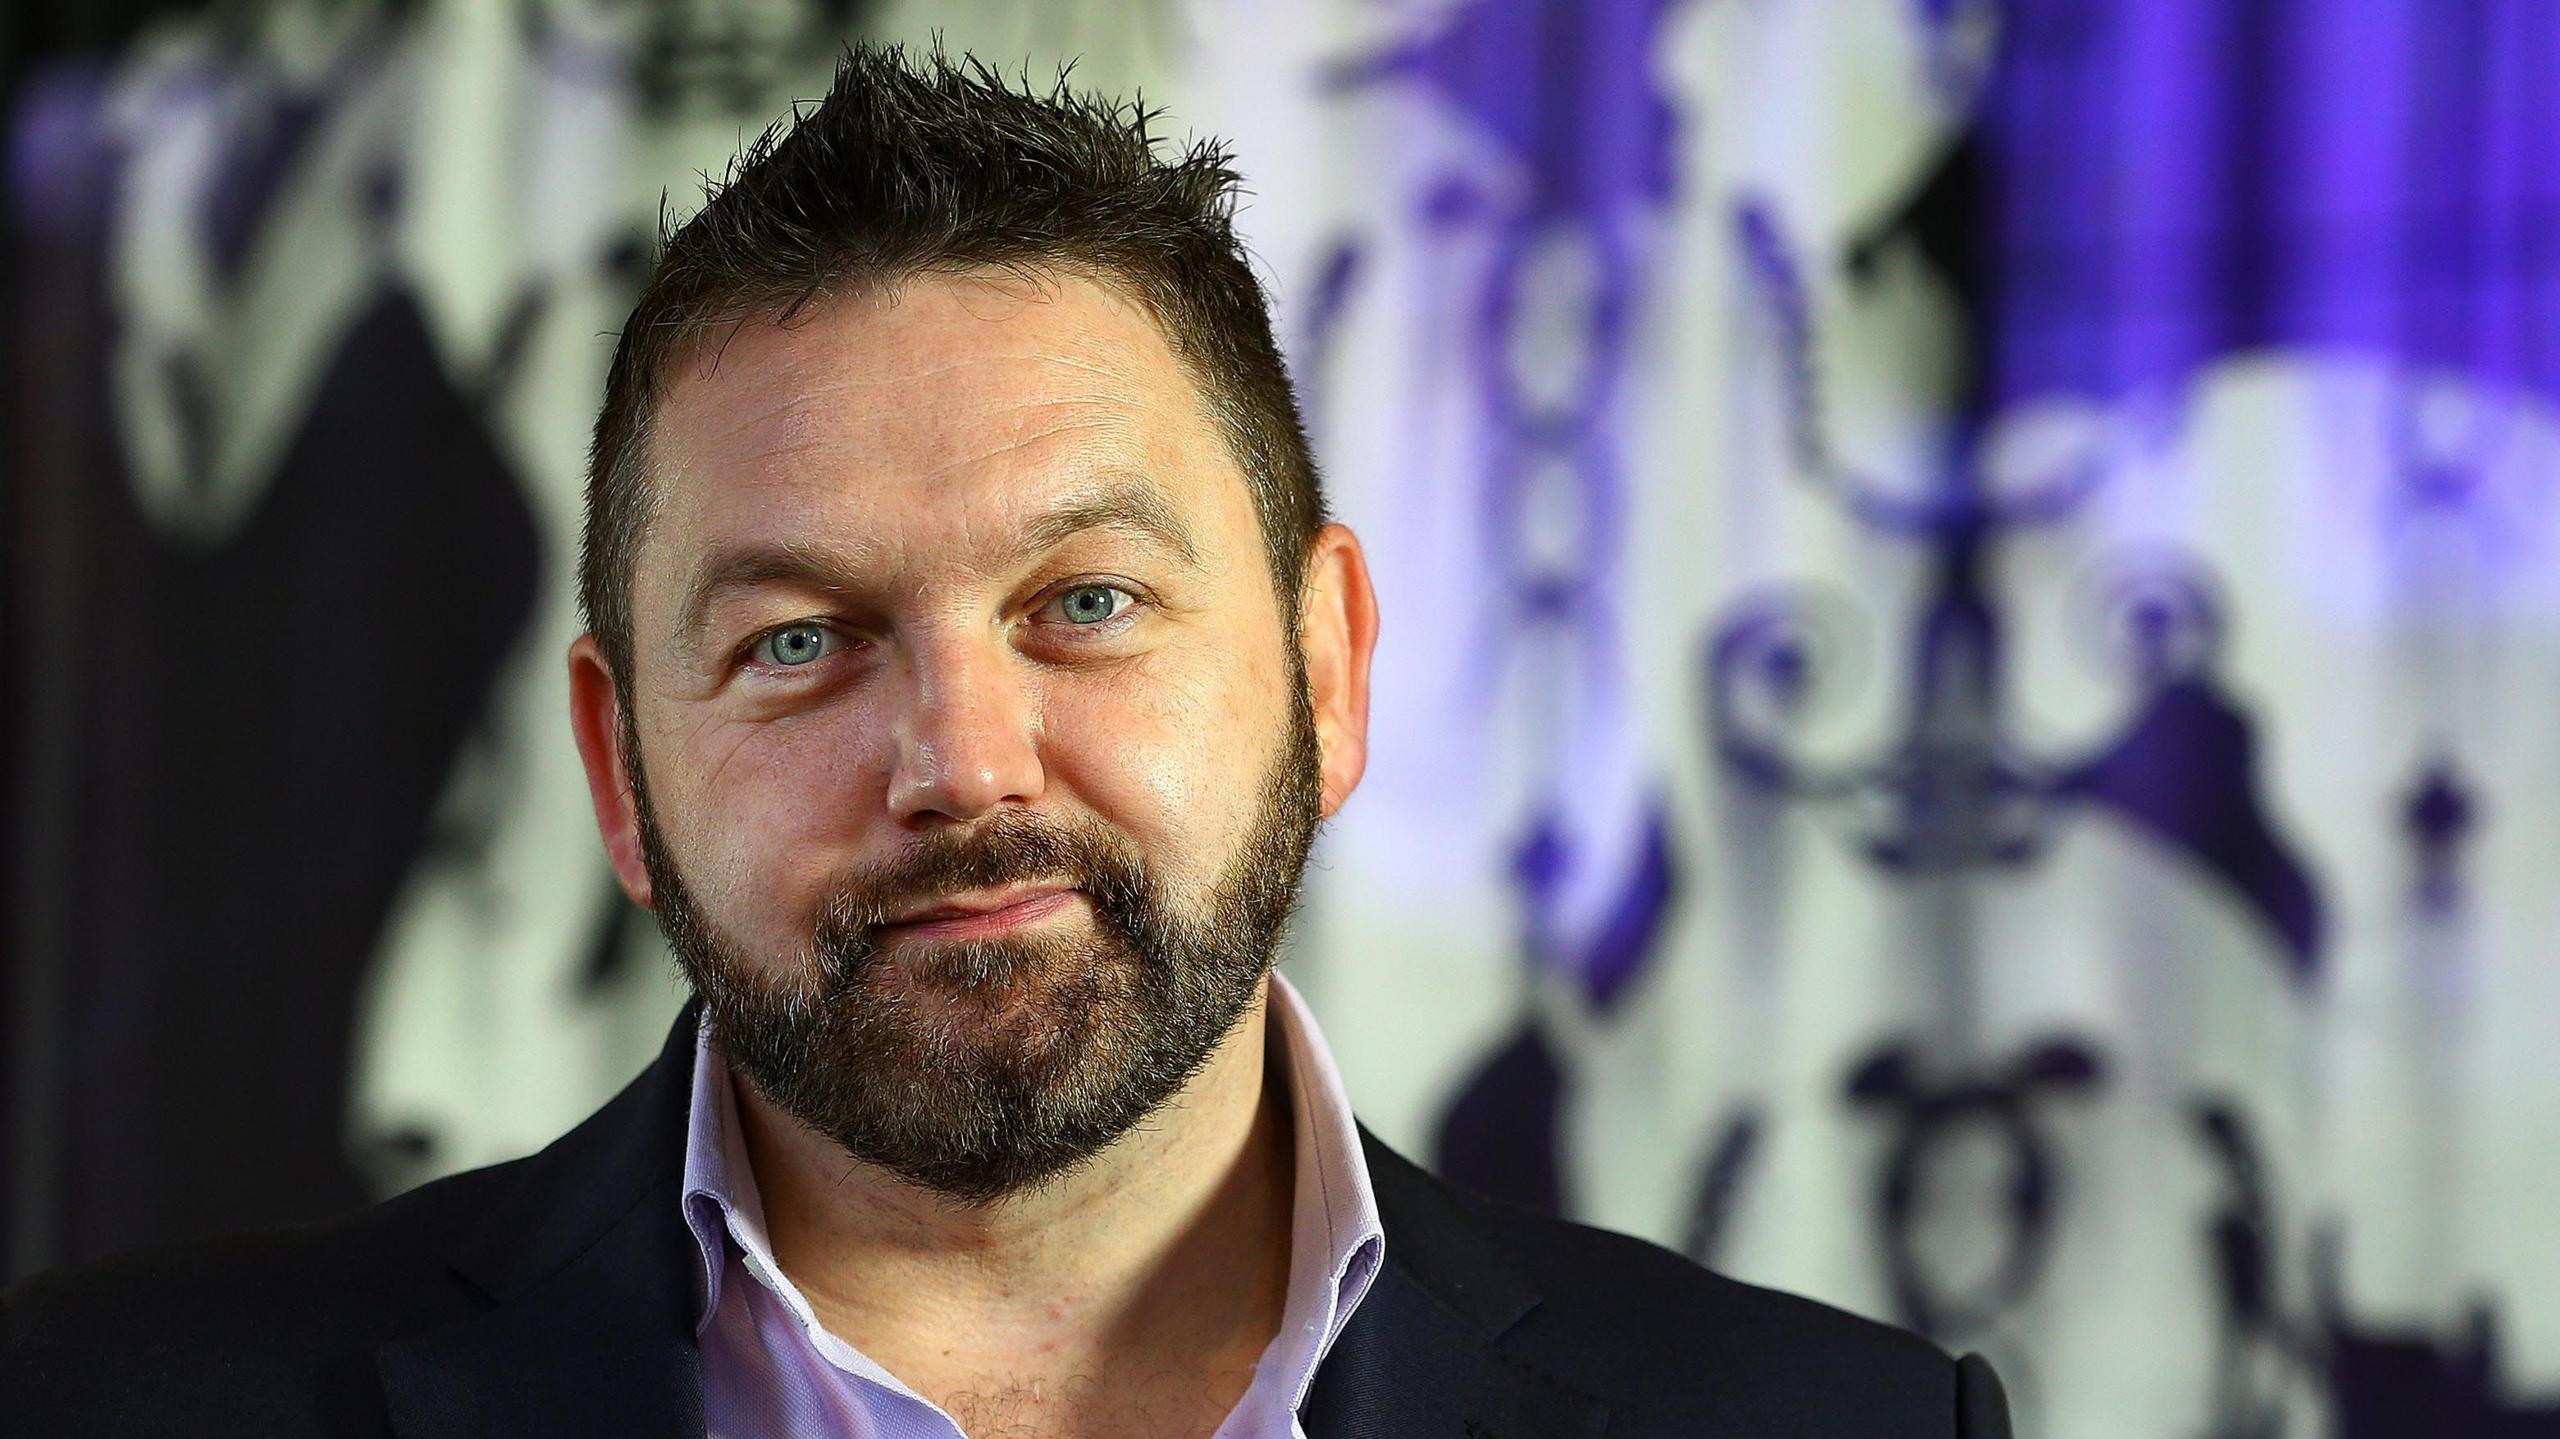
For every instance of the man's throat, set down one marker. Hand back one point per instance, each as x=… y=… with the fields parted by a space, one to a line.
x=1134 y=1296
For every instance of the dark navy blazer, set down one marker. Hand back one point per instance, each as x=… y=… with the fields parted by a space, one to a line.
x=554 y=1296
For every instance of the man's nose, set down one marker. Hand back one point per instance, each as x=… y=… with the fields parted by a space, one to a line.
x=968 y=738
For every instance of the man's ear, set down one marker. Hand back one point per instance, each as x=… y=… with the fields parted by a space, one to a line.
x=595 y=713
x=1337 y=636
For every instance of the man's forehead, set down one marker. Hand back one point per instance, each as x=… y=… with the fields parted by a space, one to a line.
x=967 y=411
x=933 y=345
x=941 y=373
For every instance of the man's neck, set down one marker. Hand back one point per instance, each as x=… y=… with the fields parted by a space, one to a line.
x=1168 y=1254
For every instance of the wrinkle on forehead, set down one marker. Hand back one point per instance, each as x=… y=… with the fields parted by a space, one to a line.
x=859 y=367
x=809 y=390
x=893 y=352
x=988 y=296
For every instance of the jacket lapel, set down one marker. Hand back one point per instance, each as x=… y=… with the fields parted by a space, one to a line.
x=1422 y=1356
x=587 y=1268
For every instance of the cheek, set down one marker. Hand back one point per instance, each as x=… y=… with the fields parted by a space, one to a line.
x=770 y=810
x=1169 y=754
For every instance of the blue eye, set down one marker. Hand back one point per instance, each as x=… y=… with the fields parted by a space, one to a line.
x=1092 y=604
x=794 y=645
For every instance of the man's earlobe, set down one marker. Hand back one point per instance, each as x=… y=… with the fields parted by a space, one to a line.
x=1338 y=637
x=595 y=716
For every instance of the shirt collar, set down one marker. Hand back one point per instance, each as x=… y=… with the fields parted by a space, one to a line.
x=720 y=1196
x=1336 y=1239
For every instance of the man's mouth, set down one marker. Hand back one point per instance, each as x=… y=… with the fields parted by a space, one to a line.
x=979 y=913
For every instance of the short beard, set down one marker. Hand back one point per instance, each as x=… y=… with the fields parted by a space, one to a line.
x=983 y=1069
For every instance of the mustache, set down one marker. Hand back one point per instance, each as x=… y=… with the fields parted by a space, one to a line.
x=1010 y=847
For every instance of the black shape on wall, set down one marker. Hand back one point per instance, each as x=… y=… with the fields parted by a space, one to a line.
x=1502 y=1137
x=2390 y=1383
x=1925 y=1113
x=1719 y=1192
x=265 y=728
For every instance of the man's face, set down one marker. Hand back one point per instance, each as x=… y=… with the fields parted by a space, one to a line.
x=975 y=766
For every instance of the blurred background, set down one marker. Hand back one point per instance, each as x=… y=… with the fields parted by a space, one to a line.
x=1969 y=718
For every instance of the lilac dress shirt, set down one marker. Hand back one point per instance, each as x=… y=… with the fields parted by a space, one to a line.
x=770 y=1368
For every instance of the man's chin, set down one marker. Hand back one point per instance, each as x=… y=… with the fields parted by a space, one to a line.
x=989 y=1008
x=983 y=1111
x=976 y=1070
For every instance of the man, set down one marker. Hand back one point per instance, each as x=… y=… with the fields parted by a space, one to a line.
x=970 y=664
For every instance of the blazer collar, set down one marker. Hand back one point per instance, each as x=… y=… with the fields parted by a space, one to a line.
x=1423 y=1356
x=587 y=1264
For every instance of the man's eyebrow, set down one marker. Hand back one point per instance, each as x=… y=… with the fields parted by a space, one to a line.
x=1128 y=503
x=814 y=566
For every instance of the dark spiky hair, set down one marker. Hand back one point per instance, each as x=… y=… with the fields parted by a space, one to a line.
x=927 y=164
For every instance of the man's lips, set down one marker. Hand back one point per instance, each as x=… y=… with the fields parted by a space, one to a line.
x=972 y=916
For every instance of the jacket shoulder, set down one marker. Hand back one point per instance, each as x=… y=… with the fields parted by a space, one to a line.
x=1646 y=1297
x=273 y=1328
x=1664 y=1342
